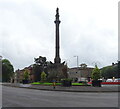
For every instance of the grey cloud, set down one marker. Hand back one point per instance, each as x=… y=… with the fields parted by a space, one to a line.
x=27 y=30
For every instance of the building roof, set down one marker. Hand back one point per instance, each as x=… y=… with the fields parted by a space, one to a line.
x=88 y=67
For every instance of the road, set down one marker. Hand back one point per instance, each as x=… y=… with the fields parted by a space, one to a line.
x=21 y=97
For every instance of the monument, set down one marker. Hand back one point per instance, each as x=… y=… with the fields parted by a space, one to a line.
x=57 y=70
x=57 y=59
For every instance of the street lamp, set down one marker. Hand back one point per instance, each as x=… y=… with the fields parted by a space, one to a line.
x=79 y=76
x=77 y=60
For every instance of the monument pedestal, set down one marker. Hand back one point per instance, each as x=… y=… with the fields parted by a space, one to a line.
x=57 y=72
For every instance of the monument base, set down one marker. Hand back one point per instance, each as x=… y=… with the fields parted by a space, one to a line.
x=57 y=72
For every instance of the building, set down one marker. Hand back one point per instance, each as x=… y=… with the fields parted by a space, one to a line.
x=19 y=74
x=80 y=73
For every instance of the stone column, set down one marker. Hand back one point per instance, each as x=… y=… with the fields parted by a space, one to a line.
x=57 y=47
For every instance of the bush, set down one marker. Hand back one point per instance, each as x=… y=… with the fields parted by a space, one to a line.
x=96 y=83
x=25 y=81
x=67 y=82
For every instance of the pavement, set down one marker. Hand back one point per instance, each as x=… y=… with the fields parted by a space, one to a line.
x=104 y=88
x=22 y=97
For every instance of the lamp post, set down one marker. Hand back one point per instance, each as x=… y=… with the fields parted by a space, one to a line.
x=79 y=76
x=77 y=60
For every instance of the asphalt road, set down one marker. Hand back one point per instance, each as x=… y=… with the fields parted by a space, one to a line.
x=21 y=97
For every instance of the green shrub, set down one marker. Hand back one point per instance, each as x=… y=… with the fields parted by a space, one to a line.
x=95 y=73
x=43 y=76
x=26 y=75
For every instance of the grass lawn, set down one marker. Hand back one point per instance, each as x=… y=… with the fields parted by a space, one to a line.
x=79 y=84
x=36 y=83
x=46 y=83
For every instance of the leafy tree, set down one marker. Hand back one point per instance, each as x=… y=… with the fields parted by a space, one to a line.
x=110 y=71
x=95 y=73
x=37 y=69
x=26 y=75
x=40 y=66
x=43 y=76
x=118 y=69
x=41 y=61
x=7 y=70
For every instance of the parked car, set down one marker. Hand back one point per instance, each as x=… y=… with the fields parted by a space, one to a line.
x=109 y=80
x=117 y=80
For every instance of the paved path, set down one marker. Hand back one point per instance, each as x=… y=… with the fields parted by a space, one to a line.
x=22 y=97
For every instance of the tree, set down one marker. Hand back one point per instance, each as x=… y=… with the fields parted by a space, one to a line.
x=39 y=66
x=37 y=69
x=26 y=75
x=7 y=70
x=118 y=69
x=43 y=76
x=41 y=61
x=110 y=71
x=95 y=73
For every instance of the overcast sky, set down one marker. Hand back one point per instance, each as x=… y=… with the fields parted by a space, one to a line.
x=88 y=29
